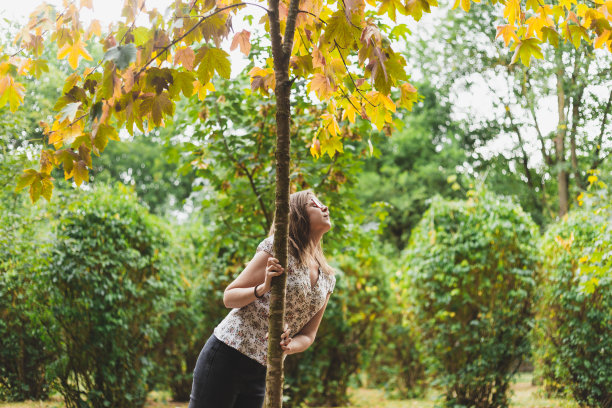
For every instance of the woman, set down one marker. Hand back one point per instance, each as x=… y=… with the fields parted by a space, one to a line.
x=231 y=369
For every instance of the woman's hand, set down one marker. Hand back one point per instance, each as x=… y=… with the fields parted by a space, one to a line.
x=273 y=268
x=285 y=341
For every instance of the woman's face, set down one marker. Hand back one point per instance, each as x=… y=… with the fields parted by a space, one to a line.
x=318 y=215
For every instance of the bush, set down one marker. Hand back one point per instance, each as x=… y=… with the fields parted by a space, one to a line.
x=349 y=331
x=107 y=284
x=471 y=272
x=576 y=306
x=23 y=356
x=195 y=309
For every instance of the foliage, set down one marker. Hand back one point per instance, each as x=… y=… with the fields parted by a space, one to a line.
x=471 y=273
x=414 y=164
x=397 y=364
x=106 y=287
x=576 y=304
x=150 y=166
x=131 y=88
x=194 y=310
x=535 y=130
x=23 y=252
x=351 y=328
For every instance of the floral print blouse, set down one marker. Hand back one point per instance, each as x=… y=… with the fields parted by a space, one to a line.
x=245 y=328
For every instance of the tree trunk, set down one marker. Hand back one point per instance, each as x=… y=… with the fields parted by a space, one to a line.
x=281 y=51
x=562 y=174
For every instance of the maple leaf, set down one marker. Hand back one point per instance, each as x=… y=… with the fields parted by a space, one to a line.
x=11 y=92
x=330 y=124
x=46 y=161
x=340 y=30
x=46 y=187
x=182 y=82
x=156 y=105
x=390 y=7
x=601 y=40
x=211 y=60
x=242 y=39
x=415 y=8
x=507 y=32
x=550 y=36
x=408 y=96
x=94 y=29
x=26 y=178
x=315 y=148
x=202 y=90
x=526 y=49
x=322 y=86
x=185 y=56
x=330 y=145
x=465 y=4
x=512 y=11
x=80 y=173
x=74 y=51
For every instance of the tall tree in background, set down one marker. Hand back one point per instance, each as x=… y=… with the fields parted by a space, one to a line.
x=570 y=87
x=145 y=69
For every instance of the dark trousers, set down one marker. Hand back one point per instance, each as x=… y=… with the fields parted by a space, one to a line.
x=226 y=378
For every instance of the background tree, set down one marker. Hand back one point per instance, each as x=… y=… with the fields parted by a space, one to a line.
x=548 y=123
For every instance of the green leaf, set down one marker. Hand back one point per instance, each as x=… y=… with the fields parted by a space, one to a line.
x=121 y=55
x=213 y=59
x=183 y=82
x=26 y=179
x=339 y=29
x=526 y=49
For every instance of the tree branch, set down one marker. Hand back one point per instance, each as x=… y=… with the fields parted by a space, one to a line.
x=211 y=13
x=547 y=158
x=351 y=75
x=597 y=161
x=290 y=28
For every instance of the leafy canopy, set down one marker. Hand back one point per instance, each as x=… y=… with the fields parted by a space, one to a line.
x=339 y=49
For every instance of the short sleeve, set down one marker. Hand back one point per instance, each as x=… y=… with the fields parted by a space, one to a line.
x=267 y=245
x=331 y=284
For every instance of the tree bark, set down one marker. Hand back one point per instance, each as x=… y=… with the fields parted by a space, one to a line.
x=562 y=174
x=281 y=51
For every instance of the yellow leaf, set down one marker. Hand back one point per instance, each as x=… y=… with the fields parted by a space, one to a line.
x=465 y=4
x=202 y=90
x=512 y=11
x=74 y=51
x=80 y=173
x=94 y=29
x=315 y=148
x=11 y=92
x=322 y=86
x=330 y=124
x=507 y=32
x=602 y=39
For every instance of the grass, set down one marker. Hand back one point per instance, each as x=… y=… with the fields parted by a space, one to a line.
x=525 y=395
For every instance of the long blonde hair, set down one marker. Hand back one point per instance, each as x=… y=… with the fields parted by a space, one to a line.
x=301 y=247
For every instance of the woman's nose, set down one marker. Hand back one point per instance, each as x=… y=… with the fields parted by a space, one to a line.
x=325 y=209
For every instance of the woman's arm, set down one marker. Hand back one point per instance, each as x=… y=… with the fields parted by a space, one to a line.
x=258 y=272
x=301 y=341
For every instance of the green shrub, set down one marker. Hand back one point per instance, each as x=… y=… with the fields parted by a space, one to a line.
x=349 y=331
x=471 y=272
x=195 y=309
x=397 y=365
x=576 y=307
x=107 y=284
x=23 y=356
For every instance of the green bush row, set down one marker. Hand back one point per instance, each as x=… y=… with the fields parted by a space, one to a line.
x=117 y=303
